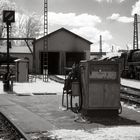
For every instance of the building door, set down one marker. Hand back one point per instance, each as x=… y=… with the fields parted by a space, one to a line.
x=53 y=62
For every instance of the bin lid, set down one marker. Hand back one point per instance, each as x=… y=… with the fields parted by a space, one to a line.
x=21 y=60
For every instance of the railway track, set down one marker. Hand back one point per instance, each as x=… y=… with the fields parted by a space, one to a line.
x=9 y=131
x=130 y=94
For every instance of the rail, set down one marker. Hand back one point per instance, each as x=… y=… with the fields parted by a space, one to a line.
x=130 y=94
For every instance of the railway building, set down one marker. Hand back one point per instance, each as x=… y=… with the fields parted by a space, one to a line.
x=97 y=55
x=64 y=49
x=20 y=52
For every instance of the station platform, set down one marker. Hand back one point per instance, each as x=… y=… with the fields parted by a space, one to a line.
x=45 y=114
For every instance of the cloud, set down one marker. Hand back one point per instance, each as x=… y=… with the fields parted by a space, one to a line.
x=71 y=19
x=93 y=34
x=110 y=1
x=83 y=25
x=136 y=8
x=114 y=16
x=105 y=47
x=123 y=19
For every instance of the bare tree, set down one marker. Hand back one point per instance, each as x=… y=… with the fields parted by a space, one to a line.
x=33 y=26
x=25 y=26
x=18 y=28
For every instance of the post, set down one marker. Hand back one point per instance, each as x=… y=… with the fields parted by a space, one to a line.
x=8 y=18
x=7 y=47
x=7 y=84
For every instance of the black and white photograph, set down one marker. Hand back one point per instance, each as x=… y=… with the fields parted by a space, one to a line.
x=69 y=70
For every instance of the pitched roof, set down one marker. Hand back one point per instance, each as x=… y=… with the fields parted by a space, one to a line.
x=63 y=29
x=21 y=49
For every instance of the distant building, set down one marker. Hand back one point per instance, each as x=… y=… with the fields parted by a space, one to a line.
x=64 y=49
x=20 y=52
x=97 y=55
x=122 y=51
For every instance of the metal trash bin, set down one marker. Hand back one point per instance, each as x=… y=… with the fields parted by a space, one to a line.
x=100 y=87
x=22 y=70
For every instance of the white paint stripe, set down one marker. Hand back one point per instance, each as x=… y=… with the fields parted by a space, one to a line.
x=7 y=14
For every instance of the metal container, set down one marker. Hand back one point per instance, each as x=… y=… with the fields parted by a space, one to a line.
x=22 y=70
x=75 y=89
x=100 y=85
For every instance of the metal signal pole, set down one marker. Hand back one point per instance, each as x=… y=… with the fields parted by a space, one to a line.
x=8 y=18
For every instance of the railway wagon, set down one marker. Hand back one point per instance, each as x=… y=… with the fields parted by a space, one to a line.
x=3 y=65
x=131 y=64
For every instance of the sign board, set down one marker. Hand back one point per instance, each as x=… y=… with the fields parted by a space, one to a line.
x=8 y=16
x=103 y=75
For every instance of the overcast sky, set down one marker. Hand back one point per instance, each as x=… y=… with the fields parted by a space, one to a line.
x=113 y=19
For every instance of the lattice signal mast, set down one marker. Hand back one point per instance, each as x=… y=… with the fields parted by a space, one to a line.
x=45 y=51
x=135 y=37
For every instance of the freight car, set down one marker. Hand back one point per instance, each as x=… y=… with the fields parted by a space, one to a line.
x=131 y=64
x=3 y=64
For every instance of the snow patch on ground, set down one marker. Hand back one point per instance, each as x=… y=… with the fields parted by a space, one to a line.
x=38 y=87
x=132 y=107
x=113 y=133
x=61 y=76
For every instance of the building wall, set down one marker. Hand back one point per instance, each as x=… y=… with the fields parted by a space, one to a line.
x=62 y=42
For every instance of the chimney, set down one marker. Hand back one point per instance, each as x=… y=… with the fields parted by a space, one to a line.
x=100 y=45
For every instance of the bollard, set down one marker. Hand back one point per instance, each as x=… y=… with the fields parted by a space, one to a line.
x=7 y=83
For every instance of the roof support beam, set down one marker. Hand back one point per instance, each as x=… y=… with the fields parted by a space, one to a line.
x=29 y=47
x=25 y=39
